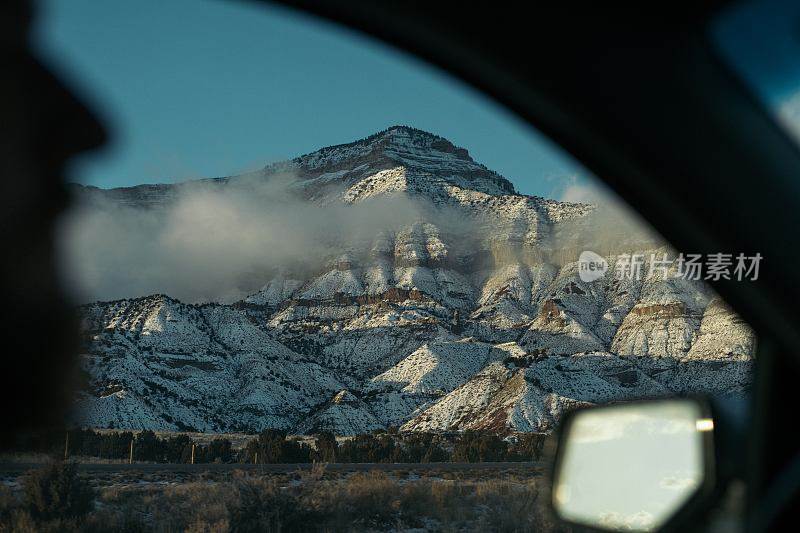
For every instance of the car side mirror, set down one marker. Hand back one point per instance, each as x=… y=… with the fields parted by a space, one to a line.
x=635 y=466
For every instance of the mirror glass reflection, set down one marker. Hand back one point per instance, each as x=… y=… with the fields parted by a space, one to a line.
x=630 y=466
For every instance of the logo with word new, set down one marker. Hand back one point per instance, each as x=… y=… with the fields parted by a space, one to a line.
x=591 y=266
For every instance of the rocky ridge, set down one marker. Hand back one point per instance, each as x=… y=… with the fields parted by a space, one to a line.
x=424 y=329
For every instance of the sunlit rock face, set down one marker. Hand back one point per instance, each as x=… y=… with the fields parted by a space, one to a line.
x=466 y=313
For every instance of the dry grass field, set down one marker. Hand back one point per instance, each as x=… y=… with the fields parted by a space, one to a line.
x=315 y=500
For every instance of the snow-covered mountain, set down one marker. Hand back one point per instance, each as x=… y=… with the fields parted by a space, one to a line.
x=471 y=315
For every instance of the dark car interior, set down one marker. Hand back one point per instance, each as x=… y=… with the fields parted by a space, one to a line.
x=642 y=98
x=709 y=145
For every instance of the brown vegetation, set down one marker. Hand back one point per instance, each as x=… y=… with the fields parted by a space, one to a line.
x=309 y=501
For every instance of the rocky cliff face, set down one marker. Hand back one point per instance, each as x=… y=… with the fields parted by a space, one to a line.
x=477 y=319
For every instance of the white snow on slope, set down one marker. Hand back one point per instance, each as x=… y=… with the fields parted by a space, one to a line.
x=435 y=325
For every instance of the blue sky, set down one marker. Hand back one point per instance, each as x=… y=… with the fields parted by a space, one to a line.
x=202 y=88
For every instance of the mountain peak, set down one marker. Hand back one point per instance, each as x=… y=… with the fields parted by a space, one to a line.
x=402 y=129
x=420 y=152
x=394 y=139
x=399 y=157
x=402 y=133
x=406 y=135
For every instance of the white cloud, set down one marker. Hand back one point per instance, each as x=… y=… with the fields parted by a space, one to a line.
x=222 y=243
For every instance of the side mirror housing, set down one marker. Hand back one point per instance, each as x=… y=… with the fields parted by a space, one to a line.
x=637 y=466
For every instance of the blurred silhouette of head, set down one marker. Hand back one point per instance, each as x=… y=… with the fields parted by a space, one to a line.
x=43 y=124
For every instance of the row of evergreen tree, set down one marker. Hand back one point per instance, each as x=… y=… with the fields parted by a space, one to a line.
x=273 y=446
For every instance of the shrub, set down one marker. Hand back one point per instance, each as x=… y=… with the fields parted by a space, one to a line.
x=326 y=449
x=56 y=492
x=272 y=446
x=474 y=447
x=125 y=520
x=218 y=450
x=263 y=506
x=8 y=503
x=371 y=497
